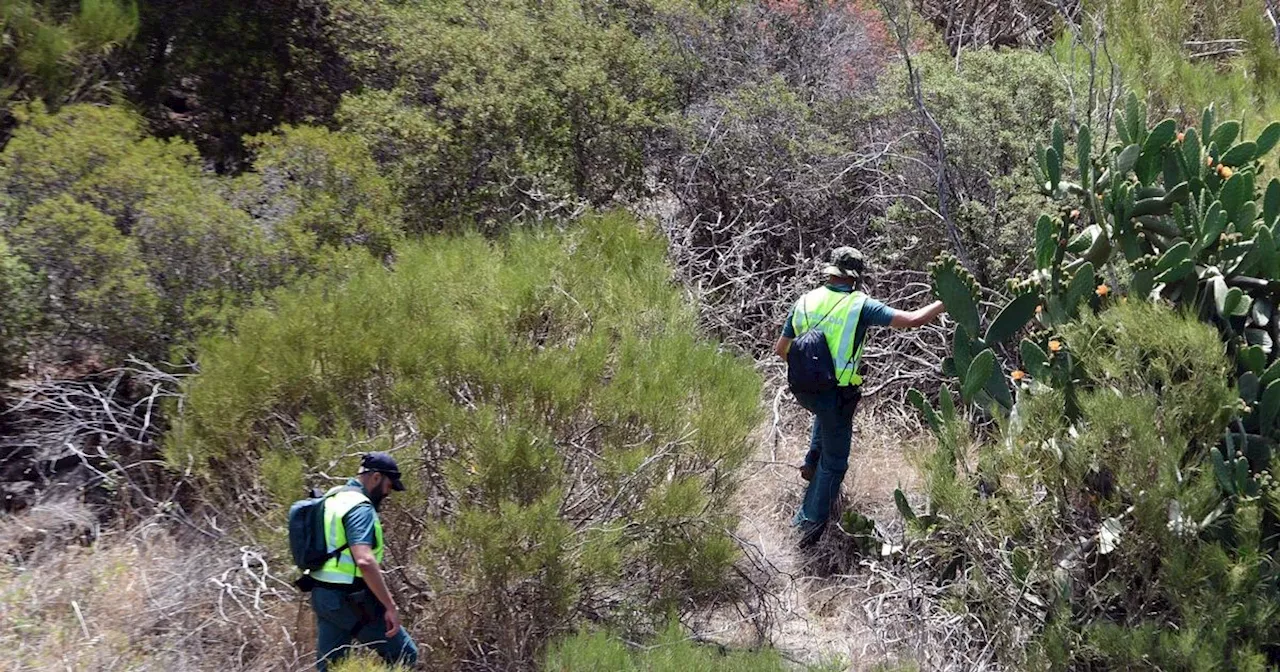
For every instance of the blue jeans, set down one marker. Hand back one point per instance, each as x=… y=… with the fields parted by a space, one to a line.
x=341 y=617
x=829 y=444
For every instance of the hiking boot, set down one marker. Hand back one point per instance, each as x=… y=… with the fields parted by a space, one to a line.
x=807 y=471
x=810 y=533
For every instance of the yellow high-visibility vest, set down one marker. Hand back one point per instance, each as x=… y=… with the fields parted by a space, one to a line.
x=342 y=568
x=842 y=311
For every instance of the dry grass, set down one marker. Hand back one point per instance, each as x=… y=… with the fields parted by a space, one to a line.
x=138 y=600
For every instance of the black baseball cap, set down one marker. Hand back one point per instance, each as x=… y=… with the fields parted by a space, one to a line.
x=382 y=463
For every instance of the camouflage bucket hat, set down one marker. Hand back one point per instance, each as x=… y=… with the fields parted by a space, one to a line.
x=846 y=262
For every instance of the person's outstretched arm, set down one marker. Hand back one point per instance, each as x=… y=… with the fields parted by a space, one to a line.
x=914 y=318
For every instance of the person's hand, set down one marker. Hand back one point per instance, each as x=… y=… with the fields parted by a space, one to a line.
x=393 y=622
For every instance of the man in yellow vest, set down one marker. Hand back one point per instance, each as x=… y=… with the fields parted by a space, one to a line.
x=350 y=597
x=844 y=314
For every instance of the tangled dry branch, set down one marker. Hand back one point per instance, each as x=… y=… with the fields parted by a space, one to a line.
x=94 y=433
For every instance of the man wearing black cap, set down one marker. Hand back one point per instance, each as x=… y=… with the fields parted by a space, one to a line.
x=350 y=597
x=843 y=315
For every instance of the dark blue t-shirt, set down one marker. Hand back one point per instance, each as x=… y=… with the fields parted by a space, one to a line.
x=874 y=314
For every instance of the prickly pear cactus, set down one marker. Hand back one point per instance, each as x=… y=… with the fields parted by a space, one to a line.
x=1182 y=216
x=973 y=361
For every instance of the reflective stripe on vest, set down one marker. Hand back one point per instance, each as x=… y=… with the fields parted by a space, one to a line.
x=840 y=326
x=343 y=569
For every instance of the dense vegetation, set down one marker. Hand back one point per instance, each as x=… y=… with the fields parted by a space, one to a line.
x=316 y=227
x=1131 y=480
x=572 y=444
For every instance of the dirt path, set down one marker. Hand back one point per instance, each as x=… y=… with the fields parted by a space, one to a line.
x=818 y=613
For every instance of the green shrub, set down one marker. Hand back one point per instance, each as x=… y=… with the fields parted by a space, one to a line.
x=19 y=314
x=331 y=186
x=1154 y=57
x=365 y=662
x=92 y=283
x=570 y=440
x=1112 y=520
x=484 y=109
x=204 y=246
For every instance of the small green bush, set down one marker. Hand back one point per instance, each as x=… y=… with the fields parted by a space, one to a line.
x=331 y=187
x=571 y=442
x=19 y=314
x=91 y=277
x=365 y=662
x=672 y=651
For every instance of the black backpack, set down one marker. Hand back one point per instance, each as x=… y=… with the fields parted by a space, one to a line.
x=306 y=531
x=810 y=367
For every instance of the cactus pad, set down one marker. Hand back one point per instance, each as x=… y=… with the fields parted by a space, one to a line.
x=958 y=291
